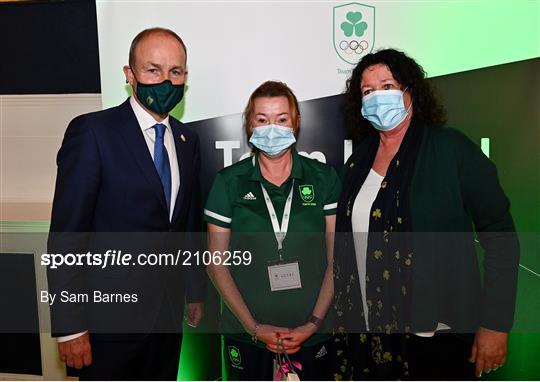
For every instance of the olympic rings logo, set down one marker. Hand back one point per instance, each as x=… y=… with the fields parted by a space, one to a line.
x=353 y=46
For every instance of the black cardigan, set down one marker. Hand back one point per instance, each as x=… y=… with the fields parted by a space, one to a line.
x=454 y=193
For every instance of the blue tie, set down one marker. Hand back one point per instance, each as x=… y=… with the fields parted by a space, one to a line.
x=161 y=160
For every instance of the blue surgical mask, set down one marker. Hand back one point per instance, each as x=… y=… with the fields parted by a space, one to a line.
x=272 y=139
x=385 y=109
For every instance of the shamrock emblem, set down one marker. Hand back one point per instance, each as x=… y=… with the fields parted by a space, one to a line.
x=353 y=24
x=234 y=354
x=307 y=193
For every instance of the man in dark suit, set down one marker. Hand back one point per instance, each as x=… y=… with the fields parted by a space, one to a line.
x=132 y=169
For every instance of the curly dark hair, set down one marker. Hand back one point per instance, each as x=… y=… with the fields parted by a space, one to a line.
x=409 y=74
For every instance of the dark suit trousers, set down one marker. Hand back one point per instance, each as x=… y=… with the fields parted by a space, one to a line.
x=133 y=357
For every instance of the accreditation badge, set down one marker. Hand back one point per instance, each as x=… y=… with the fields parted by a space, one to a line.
x=284 y=275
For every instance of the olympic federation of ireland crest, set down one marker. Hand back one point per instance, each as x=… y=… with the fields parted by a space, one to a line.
x=307 y=193
x=354 y=31
x=234 y=355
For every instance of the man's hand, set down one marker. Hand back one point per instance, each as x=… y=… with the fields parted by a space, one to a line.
x=195 y=313
x=488 y=350
x=76 y=352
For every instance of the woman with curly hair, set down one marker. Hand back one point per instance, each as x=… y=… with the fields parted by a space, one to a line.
x=408 y=294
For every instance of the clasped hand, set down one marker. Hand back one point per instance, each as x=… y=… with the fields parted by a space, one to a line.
x=285 y=340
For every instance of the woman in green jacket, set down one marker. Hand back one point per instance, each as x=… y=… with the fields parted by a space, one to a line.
x=408 y=294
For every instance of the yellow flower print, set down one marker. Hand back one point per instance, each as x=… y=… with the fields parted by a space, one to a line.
x=408 y=262
x=397 y=254
x=377 y=214
x=387 y=356
x=338 y=377
x=377 y=254
x=363 y=338
x=386 y=275
x=399 y=220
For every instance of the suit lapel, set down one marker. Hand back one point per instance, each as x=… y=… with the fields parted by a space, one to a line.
x=133 y=136
x=179 y=144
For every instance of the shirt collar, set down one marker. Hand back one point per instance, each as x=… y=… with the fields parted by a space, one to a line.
x=145 y=119
x=296 y=172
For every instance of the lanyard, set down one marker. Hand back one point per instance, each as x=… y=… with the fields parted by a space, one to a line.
x=280 y=232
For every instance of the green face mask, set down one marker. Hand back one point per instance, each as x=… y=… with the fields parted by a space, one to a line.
x=160 y=98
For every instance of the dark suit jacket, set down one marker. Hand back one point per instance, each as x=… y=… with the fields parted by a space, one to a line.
x=109 y=196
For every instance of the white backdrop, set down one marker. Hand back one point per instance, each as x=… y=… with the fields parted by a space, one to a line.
x=235 y=46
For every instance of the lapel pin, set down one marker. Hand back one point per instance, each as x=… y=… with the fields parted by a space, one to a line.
x=182 y=137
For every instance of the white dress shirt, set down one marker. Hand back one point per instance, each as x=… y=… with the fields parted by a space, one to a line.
x=146 y=123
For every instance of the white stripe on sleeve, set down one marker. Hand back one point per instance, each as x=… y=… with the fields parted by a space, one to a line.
x=219 y=217
x=330 y=206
